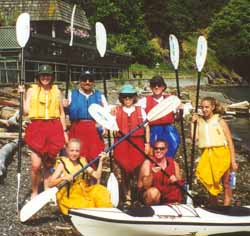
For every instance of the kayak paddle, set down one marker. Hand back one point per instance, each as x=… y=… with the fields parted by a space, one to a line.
x=22 y=36
x=35 y=204
x=174 y=56
x=201 y=54
x=112 y=183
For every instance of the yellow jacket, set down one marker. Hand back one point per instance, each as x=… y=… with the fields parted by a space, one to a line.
x=44 y=104
x=210 y=133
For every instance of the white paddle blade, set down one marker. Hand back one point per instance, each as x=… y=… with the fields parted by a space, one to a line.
x=174 y=51
x=163 y=108
x=113 y=187
x=101 y=38
x=103 y=117
x=36 y=203
x=201 y=53
x=23 y=29
x=72 y=26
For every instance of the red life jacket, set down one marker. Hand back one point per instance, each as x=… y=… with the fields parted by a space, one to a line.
x=169 y=191
x=127 y=123
x=168 y=119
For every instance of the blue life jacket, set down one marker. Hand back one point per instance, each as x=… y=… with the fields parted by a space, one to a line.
x=79 y=105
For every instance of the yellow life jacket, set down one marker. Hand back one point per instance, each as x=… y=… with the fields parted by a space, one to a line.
x=44 y=104
x=69 y=167
x=210 y=133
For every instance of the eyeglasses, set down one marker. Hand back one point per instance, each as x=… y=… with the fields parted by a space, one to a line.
x=156 y=85
x=159 y=148
x=85 y=80
x=130 y=96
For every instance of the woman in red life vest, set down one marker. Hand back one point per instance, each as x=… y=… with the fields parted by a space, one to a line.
x=128 y=116
x=218 y=156
x=162 y=128
x=45 y=134
x=155 y=186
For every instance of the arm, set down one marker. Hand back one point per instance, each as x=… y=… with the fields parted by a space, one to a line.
x=26 y=101
x=56 y=178
x=98 y=172
x=147 y=139
x=230 y=144
x=177 y=176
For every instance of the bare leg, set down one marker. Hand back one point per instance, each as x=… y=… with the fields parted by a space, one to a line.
x=152 y=196
x=46 y=176
x=36 y=163
x=227 y=189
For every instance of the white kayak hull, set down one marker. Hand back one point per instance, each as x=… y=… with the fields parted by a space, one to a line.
x=167 y=220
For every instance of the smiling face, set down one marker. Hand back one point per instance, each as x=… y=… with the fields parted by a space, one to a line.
x=157 y=90
x=87 y=85
x=160 y=148
x=73 y=150
x=45 y=79
x=207 y=109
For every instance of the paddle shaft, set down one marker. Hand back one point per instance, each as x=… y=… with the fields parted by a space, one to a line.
x=106 y=150
x=194 y=130
x=20 y=120
x=109 y=135
x=154 y=162
x=182 y=128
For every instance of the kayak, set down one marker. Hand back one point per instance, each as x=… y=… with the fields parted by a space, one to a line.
x=172 y=219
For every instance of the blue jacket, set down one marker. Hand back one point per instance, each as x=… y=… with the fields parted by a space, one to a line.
x=79 y=105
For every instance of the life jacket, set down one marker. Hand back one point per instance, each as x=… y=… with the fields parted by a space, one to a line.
x=79 y=105
x=168 y=119
x=210 y=133
x=169 y=191
x=127 y=123
x=44 y=104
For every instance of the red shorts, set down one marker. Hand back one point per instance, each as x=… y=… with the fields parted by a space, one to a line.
x=45 y=137
x=86 y=132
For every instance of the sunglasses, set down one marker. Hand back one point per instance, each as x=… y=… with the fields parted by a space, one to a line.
x=127 y=96
x=159 y=148
x=85 y=80
x=156 y=85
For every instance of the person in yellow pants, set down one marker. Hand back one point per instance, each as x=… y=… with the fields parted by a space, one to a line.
x=218 y=157
x=78 y=194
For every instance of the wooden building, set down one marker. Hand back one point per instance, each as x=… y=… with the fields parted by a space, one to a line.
x=49 y=40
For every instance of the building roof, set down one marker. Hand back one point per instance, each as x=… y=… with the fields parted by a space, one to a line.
x=47 y=10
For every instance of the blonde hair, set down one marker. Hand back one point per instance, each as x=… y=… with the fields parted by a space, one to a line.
x=218 y=108
x=74 y=140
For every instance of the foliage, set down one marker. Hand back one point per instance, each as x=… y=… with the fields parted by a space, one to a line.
x=8 y=20
x=230 y=35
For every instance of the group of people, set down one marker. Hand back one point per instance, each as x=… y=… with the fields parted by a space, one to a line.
x=146 y=156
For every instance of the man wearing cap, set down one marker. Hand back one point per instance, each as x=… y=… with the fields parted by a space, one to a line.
x=83 y=126
x=162 y=128
x=128 y=116
x=44 y=135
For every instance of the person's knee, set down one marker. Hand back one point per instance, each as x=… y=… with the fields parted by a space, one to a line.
x=152 y=196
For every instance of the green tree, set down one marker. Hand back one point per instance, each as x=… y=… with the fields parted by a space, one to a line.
x=229 y=35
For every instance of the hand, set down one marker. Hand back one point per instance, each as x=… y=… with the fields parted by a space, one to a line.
x=156 y=169
x=68 y=178
x=195 y=117
x=103 y=155
x=173 y=178
x=234 y=166
x=104 y=131
x=21 y=89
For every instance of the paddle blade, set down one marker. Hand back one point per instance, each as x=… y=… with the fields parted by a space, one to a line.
x=36 y=203
x=101 y=38
x=163 y=108
x=23 y=29
x=113 y=187
x=103 y=117
x=72 y=25
x=201 y=53
x=174 y=51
